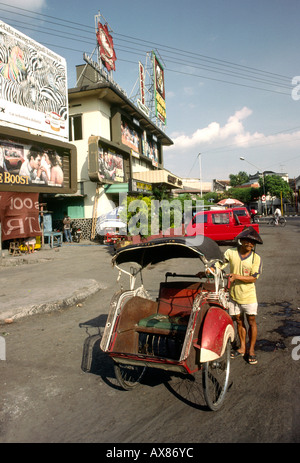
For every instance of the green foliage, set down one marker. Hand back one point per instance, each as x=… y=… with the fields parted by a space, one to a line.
x=246 y=195
x=239 y=179
x=276 y=186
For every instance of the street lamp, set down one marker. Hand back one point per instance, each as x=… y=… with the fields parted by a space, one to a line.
x=200 y=171
x=263 y=177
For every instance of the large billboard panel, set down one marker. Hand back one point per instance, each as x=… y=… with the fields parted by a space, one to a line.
x=33 y=85
x=36 y=164
x=19 y=215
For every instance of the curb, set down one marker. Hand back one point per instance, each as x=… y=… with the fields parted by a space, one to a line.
x=77 y=297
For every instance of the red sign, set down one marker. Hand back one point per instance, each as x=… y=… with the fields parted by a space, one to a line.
x=19 y=215
x=106 y=46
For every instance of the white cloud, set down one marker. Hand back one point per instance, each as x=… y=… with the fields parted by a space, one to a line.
x=214 y=132
x=222 y=145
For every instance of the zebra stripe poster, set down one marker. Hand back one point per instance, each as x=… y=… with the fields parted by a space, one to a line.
x=33 y=85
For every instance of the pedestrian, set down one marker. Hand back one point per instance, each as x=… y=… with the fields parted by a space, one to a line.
x=277 y=214
x=30 y=241
x=245 y=269
x=67 y=228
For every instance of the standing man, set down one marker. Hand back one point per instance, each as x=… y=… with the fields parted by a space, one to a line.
x=245 y=269
x=67 y=228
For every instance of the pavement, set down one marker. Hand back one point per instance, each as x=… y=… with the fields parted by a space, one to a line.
x=52 y=278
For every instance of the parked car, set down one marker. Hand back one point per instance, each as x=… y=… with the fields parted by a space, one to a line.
x=220 y=225
x=111 y=227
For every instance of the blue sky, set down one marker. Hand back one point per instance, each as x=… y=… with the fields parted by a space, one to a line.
x=229 y=69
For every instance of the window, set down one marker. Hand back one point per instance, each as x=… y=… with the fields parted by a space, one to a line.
x=75 y=127
x=220 y=218
x=200 y=218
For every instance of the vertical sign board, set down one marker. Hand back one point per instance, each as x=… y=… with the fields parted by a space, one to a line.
x=159 y=89
x=33 y=85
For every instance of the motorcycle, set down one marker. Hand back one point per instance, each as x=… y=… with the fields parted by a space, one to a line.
x=185 y=330
x=76 y=234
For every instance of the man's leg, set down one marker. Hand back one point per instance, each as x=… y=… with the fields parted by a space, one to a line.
x=242 y=332
x=252 y=333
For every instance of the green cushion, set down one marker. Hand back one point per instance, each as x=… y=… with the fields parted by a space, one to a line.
x=164 y=322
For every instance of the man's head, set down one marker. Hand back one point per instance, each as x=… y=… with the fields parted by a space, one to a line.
x=250 y=235
x=34 y=156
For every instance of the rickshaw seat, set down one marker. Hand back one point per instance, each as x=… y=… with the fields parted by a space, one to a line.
x=175 y=302
x=162 y=324
x=177 y=297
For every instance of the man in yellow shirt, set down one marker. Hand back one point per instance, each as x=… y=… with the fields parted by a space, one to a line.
x=245 y=268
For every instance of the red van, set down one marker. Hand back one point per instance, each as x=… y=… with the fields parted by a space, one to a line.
x=220 y=225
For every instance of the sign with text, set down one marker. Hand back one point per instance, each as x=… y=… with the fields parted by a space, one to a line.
x=19 y=215
x=159 y=89
x=106 y=47
x=36 y=164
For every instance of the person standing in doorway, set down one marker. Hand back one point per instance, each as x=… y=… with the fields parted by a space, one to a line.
x=67 y=228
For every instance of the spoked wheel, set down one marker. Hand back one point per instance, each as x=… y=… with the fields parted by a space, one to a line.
x=272 y=222
x=282 y=222
x=129 y=376
x=215 y=379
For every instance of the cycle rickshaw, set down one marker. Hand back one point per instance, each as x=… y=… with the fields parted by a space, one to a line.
x=185 y=329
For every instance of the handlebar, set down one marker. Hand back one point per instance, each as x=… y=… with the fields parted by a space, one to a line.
x=198 y=275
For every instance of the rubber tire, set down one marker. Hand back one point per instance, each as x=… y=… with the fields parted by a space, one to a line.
x=209 y=369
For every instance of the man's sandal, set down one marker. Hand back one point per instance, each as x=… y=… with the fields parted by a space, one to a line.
x=252 y=360
x=235 y=353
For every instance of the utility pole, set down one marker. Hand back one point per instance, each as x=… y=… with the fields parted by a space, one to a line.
x=200 y=172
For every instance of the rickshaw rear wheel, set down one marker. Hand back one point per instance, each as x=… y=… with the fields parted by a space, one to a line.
x=129 y=376
x=215 y=379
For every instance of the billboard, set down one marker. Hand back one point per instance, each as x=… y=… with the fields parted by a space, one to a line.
x=36 y=164
x=106 y=47
x=159 y=89
x=33 y=85
x=108 y=163
x=19 y=215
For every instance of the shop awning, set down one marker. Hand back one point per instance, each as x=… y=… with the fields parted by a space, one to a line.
x=159 y=176
x=116 y=188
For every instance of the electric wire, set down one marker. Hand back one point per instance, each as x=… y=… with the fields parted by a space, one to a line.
x=138 y=42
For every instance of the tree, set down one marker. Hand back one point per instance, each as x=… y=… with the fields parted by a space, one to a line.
x=239 y=179
x=246 y=195
x=276 y=186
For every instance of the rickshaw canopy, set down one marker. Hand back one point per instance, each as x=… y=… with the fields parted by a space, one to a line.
x=161 y=249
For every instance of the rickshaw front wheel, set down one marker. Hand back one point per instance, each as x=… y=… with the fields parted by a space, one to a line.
x=215 y=379
x=129 y=376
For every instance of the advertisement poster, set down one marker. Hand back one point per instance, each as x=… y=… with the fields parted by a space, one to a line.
x=30 y=165
x=33 y=85
x=19 y=215
x=130 y=137
x=111 y=166
x=159 y=89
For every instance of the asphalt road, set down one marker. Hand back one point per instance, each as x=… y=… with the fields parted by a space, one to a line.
x=58 y=387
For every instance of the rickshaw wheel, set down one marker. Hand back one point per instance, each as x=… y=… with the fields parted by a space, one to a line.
x=129 y=376
x=215 y=379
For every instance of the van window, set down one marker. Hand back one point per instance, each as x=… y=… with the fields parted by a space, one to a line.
x=200 y=218
x=220 y=218
x=240 y=212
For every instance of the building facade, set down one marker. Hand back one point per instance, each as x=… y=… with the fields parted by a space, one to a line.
x=117 y=145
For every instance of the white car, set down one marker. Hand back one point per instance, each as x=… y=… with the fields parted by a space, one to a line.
x=111 y=223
